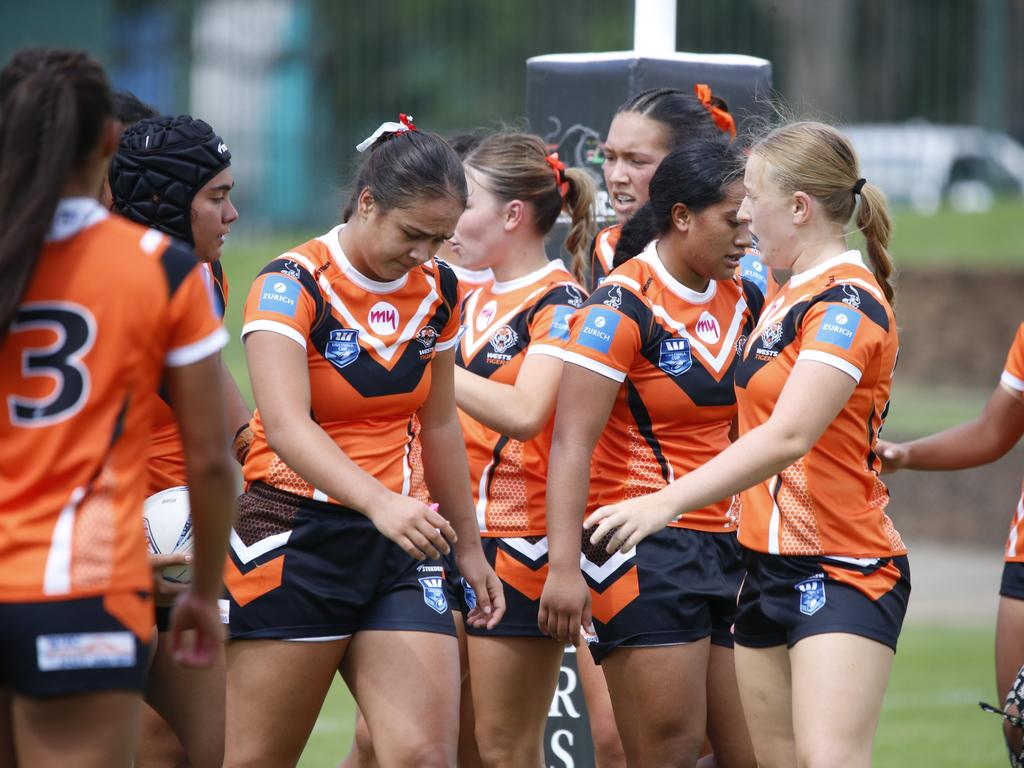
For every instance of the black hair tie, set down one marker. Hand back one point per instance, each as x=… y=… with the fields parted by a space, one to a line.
x=858 y=186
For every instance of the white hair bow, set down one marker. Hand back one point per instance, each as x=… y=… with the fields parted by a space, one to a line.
x=406 y=124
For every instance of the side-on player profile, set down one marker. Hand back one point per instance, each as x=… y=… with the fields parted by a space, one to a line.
x=94 y=310
x=647 y=396
x=506 y=381
x=827 y=583
x=174 y=175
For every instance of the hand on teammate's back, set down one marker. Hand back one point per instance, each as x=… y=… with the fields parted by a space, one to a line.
x=893 y=455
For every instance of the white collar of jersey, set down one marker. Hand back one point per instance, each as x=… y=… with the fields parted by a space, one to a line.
x=521 y=282
x=353 y=274
x=472 y=276
x=847 y=257
x=74 y=214
x=650 y=256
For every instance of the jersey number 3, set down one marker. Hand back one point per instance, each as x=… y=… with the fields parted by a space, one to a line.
x=73 y=329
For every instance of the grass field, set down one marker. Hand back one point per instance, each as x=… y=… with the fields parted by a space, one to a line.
x=930 y=718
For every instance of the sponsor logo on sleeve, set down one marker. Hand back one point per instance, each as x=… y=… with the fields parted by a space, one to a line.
x=342 y=347
x=560 y=323
x=614 y=299
x=839 y=326
x=675 y=358
x=812 y=595
x=599 y=329
x=427 y=337
x=280 y=295
x=753 y=270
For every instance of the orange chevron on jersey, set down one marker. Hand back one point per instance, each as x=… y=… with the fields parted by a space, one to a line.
x=603 y=254
x=505 y=322
x=675 y=351
x=831 y=501
x=166 y=465
x=110 y=304
x=1013 y=381
x=368 y=346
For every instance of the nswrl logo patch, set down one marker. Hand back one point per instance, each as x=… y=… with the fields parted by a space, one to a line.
x=675 y=358
x=812 y=595
x=342 y=347
x=433 y=593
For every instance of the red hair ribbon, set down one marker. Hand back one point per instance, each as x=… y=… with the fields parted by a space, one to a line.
x=558 y=167
x=722 y=118
x=406 y=120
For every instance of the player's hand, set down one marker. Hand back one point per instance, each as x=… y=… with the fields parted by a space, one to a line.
x=628 y=523
x=564 y=606
x=164 y=591
x=490 y=597
x=894 y=456
x=196 y=630
x=419 y=530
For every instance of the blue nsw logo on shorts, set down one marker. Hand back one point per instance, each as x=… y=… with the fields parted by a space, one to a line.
x=675 y=357
x=433 y=593
x=812 y=595
x=839 y=326
x=279 y=294
x=468 y=593
x=599 y=329
x=342 y=347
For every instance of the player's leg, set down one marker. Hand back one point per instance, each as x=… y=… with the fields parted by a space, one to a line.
x=763 y=677
x=407 y=685
x=86 y=730
x=275 y=689
x=158 y=747
x=469 y=753
x=513 y=680
x=658 y=694
x=7 y=757
x=1009 y=654
x=191 y=701
x=838 y=684
x=608 y=749
x=726 y=728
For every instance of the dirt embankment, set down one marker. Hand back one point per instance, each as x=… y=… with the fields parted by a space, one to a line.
x=955 y=330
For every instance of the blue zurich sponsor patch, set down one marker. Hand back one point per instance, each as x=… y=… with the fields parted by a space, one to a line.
x=812 y=595
x=752 y=269
x=675 y=358
x=599 y=329
x=279 y=294
x=560 y=323
x=839 y=326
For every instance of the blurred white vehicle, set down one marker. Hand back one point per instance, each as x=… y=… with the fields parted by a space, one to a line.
x=921 y=164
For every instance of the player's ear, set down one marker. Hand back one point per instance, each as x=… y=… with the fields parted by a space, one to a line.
x=365 y=204
x=681 y=217
x=515 y=214
x=801 y=207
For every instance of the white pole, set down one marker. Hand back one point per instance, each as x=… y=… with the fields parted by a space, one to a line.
x=654 y=26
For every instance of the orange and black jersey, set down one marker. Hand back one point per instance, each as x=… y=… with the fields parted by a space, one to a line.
x=1013 y=380
x=109 y=306
x=602 y=254
x=368 y=347
x=831 y=501
x=166 y=455
x=505 y=322
x=675 y=351
x=470 y=279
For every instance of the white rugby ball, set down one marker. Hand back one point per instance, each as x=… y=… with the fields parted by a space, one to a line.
x=168 y=525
